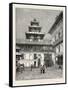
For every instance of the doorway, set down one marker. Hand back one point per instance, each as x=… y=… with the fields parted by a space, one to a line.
x=39 y=62
x=34 y=63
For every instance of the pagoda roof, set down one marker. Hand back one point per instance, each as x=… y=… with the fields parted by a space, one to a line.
x=39 y=33
x=34 y=26
x=34 y=22
x=28 y=34
x=27 y=42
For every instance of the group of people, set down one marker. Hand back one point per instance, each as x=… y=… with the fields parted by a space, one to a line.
x=42 y=68
x=20 y=67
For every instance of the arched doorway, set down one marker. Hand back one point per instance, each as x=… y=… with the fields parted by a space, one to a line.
x=48 y=60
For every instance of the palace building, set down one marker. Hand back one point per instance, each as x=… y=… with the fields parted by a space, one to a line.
x=57 y=37
x=34 y=50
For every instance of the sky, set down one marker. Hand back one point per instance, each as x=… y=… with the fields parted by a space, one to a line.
x=24 y=16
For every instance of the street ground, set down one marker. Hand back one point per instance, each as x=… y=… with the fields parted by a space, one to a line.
x=50 y=73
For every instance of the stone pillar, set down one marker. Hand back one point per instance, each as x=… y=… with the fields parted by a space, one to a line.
x=53 y=57
x=36 y=63
x=42 y=59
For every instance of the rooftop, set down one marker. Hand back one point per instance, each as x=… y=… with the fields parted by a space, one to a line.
x=57 y=21
x=42 y=42
x=40 y=33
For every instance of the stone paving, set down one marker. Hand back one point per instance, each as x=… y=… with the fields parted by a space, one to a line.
x=51 y=73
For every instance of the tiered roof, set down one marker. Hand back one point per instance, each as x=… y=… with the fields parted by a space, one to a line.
x=34 y=30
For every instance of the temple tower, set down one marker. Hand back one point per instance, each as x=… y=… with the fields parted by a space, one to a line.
x=34 y=33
